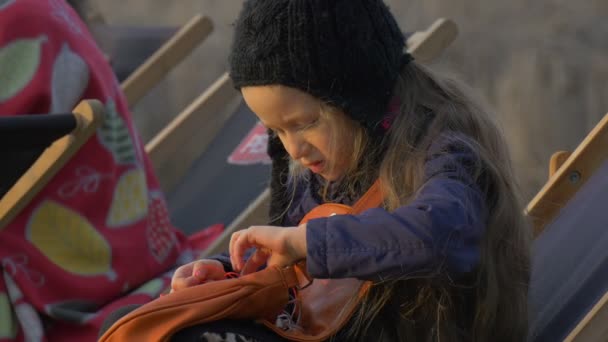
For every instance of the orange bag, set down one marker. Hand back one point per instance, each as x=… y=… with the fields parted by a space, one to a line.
x=325 y=305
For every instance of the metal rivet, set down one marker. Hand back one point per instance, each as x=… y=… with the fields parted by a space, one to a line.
x=574 y=177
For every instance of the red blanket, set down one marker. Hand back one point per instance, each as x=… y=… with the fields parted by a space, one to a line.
x=98 y=236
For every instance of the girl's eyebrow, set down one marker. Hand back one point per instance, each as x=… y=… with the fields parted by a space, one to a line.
x=300 y=119
x=291 y=121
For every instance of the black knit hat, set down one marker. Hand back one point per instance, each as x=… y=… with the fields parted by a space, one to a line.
x=347 y=53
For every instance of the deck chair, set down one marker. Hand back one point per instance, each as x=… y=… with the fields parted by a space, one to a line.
x=35 y=147
x=246 y=202
x=569 y=286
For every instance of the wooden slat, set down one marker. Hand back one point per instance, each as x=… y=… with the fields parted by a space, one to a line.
x=255 y=213
x=142 y=80
x=424 y=46
x=569 y=178
x=89 y=114
x=180 y=143
x=594 y=326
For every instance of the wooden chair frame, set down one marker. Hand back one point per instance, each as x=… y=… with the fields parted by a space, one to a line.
x=89 y=115
x=568 y=173
x=170 y=54
x=191 y=132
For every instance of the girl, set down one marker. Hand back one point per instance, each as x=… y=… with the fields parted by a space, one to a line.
x=449 y=249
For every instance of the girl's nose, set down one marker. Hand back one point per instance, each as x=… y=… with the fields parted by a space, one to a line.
x=295 y=146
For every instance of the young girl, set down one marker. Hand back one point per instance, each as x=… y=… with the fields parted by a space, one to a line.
x=449 y=250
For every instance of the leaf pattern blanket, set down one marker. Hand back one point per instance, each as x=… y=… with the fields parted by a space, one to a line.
x=98 y=236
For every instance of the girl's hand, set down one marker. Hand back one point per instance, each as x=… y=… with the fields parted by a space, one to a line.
x=276 y=246
x=197 y=272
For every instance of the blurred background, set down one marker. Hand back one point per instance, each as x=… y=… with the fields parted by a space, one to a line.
x=541 y=65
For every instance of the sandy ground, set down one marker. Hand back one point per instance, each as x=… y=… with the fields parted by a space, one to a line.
x=541 y=64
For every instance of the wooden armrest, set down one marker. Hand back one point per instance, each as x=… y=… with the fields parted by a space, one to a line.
x=557 y=160
x=569 y=177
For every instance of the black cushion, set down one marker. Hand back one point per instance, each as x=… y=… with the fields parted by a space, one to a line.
x=24 y=138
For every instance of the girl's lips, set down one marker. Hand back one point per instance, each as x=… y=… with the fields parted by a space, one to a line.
x=316 y=167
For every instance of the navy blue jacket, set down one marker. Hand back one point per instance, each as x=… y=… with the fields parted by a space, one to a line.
x=440 y=229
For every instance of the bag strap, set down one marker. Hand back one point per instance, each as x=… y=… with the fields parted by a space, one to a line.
x=371 y=199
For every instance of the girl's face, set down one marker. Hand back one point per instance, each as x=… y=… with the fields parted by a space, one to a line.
x=322 y=143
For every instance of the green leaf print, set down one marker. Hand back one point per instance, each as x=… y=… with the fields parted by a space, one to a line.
x=5 y=3
x=69 y=81
x=8 y=323
x=19 y=61
x=151 y=288
x=114 y=135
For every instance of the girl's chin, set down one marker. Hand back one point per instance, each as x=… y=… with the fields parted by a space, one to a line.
x=330 y=177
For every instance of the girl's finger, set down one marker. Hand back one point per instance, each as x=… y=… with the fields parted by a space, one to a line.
x=257 y=260
x=241 y=244
x=231 y=252
x=182 y=283
x=235 y=254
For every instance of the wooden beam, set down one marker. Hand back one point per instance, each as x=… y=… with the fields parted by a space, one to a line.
x=570 y=177
x=89 y=115
x=179 y=144
x=429 y=44
x=142 y=80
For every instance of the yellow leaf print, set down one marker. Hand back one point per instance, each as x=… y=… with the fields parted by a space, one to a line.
x=69 y=240
x=8 y=323
x=130 y=203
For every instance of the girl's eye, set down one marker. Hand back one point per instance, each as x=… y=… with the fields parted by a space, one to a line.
x=276 y=132
x=273 y=131
x=310 y=124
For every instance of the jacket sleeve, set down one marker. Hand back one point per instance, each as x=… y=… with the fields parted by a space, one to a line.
x=439 y=230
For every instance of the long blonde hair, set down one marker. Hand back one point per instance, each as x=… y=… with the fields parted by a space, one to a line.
x=430 y=307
